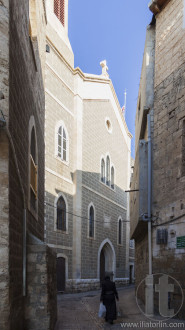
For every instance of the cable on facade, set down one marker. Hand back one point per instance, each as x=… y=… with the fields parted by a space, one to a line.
x=78 y=216
x=169 y=221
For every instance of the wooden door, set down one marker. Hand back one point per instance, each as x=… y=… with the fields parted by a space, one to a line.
x=61 y=277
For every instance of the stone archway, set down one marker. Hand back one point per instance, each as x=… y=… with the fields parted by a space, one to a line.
x=106 y=260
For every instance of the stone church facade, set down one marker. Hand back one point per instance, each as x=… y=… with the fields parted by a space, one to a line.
x=87 y=166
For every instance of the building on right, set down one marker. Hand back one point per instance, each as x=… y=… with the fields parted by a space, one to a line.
x=162 y=95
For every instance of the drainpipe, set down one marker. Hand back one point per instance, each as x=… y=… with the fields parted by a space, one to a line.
x=24 y=210
x=149 y=307
x=149 y=195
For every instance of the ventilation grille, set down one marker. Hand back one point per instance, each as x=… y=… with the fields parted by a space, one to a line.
x=59 y=8
x=162 y=236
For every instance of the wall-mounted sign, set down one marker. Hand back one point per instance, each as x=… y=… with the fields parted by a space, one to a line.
x=181 y=242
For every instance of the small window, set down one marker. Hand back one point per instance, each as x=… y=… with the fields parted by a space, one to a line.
x=108 y=171
x=91 y=222
x=62 y=144
x=108 y=125
x=132 y=243
x=103 y=171
x=61 y=214
x=120 y=232
x=33 y=171
x=112 y=177
x=59 y=10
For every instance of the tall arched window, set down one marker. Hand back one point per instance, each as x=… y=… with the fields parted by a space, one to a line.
x=103 y=170
x=108 y=171
x=61 y=214
x=112 y=177
x=62 y=143
x=33 y=170
x=120 y=231
x=91 y=222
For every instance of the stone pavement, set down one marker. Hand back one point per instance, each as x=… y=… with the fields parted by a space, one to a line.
x=80 y=312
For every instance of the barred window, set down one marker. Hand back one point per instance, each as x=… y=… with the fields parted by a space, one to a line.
x=61 y=214
x=59 y=10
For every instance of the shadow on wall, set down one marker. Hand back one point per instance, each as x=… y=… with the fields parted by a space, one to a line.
x=95 y=213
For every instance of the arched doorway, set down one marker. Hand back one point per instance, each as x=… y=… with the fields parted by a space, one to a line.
x=61 y=271
x=106 y=260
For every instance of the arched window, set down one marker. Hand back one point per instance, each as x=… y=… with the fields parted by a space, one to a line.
x=112 y=177
x=108 y=171
x=62 y=143
x=61 y=214
x=120 y=231
x=33 y=170
x=102 y=170
x=91 y=222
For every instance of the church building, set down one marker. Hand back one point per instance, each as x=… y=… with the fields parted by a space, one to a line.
x=87 y=166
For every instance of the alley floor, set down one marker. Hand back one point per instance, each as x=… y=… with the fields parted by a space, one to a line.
x=80 y=312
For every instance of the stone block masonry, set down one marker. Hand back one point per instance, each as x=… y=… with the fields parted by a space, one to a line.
x=40 y=312
x=4 y=154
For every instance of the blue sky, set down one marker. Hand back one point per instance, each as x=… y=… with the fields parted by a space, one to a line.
x=113 y=30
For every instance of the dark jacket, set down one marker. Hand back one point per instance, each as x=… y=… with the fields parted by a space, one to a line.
x=108 y=295
x=108 y=287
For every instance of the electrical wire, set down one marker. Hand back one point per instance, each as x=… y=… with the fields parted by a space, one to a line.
x=78 y=216
x=170 y=221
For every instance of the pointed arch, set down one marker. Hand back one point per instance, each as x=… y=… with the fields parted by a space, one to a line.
x=61 y=142
x=110 y=254
x=91 y=221
x=61 y=218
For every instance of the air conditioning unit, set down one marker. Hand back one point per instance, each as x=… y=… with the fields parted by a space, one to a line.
x=162 y=236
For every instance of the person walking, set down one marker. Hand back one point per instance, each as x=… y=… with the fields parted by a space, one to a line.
x=108 y=295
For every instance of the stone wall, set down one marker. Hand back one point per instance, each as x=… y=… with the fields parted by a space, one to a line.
x=41 y=303
x=4 y=155
x=26 y=100
x=170 y=48
x=168 y=202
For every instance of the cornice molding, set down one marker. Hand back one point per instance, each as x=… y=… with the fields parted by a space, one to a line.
x=92 y=78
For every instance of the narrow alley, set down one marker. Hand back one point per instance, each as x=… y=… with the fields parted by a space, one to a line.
x=80 y=312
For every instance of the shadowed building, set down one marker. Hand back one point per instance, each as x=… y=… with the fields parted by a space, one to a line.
x=27 y=282
x=162 y=94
